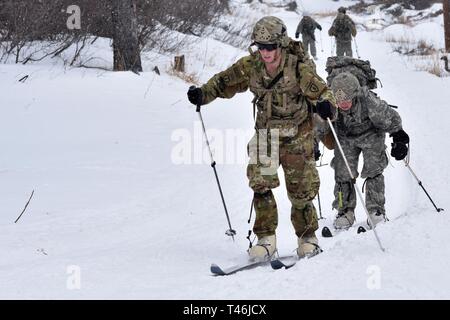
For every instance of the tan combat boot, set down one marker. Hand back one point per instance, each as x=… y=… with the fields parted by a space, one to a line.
x=308 y=246
x=264 y=249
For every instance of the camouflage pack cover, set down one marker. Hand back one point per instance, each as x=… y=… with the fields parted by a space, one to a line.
x=342 y=24
x=359 y=68
x=309 y=25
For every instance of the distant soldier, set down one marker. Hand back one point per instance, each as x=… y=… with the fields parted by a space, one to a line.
x=307 y=27
x=343 y=29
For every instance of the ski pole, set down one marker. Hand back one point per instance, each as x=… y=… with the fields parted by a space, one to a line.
x=356 y=48
x=320 y=207
x=332 y=46
x=321 y=44
x=421 y=185
x=230 y=232
x=354 y=182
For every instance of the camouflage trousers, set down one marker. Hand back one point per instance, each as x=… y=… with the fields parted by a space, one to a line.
x=309 y=42
x=295 y=154
x=344 y=48
x=372 y=147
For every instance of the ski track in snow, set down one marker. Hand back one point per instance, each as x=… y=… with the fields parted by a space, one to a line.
x=109 y=200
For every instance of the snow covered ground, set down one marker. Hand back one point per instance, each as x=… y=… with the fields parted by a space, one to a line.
x=119 y=213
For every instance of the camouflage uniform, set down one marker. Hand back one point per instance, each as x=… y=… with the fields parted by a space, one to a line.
x=362 y=129
x=343 y=28
x=286 y=107
x=306 y=27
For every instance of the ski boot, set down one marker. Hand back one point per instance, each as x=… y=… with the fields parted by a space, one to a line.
x=264 y=248
x=376 y=217
x=344 y=220
x=308 y=246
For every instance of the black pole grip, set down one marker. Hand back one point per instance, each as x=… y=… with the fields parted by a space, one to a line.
x=198 y=106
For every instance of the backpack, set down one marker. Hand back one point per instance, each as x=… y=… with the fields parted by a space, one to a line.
x=342 y=25
x=309 y=25
x=296 y=48
x=359 y=68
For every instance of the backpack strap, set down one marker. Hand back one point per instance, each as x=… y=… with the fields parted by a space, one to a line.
x=269 y=86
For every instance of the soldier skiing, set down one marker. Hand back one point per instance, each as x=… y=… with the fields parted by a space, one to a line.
x=306 y=28
x=362 y=123
x=286 y=89
x=343 y=28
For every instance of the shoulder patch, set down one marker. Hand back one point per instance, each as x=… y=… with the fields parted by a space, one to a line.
x=313 y=88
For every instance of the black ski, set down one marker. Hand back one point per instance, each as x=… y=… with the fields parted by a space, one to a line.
x=361 y=229
x=286 y=263
x=289 y=262
x=327 y=233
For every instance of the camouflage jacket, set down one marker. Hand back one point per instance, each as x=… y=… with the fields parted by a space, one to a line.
x=287 y=102
x=343 y=28
x=307 y=26
x=368 y=114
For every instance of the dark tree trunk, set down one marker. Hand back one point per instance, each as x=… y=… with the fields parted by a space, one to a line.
x=446 y=9
x=127 y=53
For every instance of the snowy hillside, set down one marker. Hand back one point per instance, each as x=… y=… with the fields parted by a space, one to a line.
x=119 y=213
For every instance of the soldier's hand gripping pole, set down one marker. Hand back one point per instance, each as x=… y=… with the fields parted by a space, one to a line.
x=421 y=185
x=230 y=232
x=354 y=182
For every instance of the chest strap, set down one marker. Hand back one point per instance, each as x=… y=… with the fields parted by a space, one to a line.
x=269 y=86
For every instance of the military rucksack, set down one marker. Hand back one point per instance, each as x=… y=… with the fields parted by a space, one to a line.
x=359 y=68
x=309 y=26
x=342 y=25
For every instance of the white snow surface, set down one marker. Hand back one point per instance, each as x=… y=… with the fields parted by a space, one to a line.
x=115 y=210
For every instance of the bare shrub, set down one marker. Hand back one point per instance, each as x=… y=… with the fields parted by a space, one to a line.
x=433 y=65
x=396 y=12
x=187 y=77
x=410 y=46
x=361 y=6
x=325 y=14
x=31 y=30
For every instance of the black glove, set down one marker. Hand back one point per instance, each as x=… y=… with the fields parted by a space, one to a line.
x=319 y=27
x=400 y=136
x=195 y=95
x=317 y=153
x=399 y=150
x=324 y=109
x=296 y=35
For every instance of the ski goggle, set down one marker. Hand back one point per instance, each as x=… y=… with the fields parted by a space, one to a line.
x=267 y=46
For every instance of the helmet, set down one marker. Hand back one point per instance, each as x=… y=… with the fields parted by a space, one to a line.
x=342 y=10
x=345 y=87
x=270 y=30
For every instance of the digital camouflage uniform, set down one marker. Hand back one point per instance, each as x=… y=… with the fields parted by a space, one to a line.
x=362 y=129
x=307 y=27
x=286 y=106
x=343 y=28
